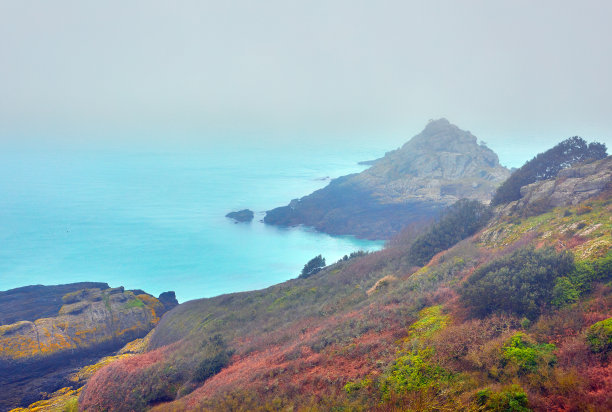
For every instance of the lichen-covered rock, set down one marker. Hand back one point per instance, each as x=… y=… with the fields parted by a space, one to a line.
x=38 y=301
x=101 y=316
x=39 y=356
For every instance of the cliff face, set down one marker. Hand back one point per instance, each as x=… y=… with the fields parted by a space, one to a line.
x=37 y=355
x=433 y=170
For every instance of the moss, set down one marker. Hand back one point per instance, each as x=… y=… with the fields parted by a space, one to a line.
x=134 y=303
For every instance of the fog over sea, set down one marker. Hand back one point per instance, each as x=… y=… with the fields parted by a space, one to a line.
x=155 y=220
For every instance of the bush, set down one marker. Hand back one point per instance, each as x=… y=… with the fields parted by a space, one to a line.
x=461 y=220
x=599 y=336
x=547 y=165
x=512 y=399
x=521 y=283
x=217 y=357
x=526 y=355
x=313 y=266
x=413 y=371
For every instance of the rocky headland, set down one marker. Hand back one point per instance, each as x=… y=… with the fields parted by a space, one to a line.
x=433 y=170
x=38 y=350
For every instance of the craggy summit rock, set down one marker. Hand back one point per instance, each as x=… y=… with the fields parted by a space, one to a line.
x=433 y=170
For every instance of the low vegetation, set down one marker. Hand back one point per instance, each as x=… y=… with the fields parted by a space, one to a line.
x=470 y=313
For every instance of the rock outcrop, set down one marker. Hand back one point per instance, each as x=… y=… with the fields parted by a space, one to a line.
x=244 y=215
x=433 y=170
x=37 y=301
x=37 y=355
x=571 y=187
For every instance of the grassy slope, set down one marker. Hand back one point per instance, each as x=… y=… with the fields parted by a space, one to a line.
x=345 y=339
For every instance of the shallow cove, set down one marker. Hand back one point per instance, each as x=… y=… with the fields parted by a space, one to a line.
x=156 y=220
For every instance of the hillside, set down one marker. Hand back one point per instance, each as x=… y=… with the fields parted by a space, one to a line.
x=437 y=167
x=515 y=317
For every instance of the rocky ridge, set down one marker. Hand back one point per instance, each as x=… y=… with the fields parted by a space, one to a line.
x=433 y=170
x=571 y=187
x=38 y=355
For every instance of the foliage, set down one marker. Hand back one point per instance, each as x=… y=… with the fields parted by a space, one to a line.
x=526 y=355
x=134 y=303
x=430 y=321
x=217 y=357
x=511 y=399
x=547 y=165
x=462 y=219
x=413 y=371
x=599 y=336
x=568 y=289
x=313 y=266
x=352 y=387
x=520 y=283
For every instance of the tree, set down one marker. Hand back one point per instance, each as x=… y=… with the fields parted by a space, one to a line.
x=461 y=220
x=547 y=165
x=313 y=266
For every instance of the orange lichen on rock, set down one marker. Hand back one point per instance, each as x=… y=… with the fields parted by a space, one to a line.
x=86 y=319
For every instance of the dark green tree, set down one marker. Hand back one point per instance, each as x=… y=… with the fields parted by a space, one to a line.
x=547 y=165
x=313 y=266
x=461 y=220
x=521 y=283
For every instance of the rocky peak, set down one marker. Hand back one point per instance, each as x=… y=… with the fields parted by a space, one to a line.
x=442 y=163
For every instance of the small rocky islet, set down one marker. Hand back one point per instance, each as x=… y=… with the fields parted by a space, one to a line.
x=241 y=216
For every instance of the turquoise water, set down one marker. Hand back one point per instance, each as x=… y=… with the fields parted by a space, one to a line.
x=155 y=220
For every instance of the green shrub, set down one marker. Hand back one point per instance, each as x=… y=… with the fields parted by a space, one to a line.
x=461 y=220
x=599 y=336
x=216 y=357
x=511 y=399
x=526 y=355
x=413 y=371
x=564 y=292
x=520 y=283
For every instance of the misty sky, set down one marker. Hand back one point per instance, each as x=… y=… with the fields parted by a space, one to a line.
x=521 y=75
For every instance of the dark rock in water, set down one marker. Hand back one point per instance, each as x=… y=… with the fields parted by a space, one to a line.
x=71 y=327
x=37 y=301
x=168 y=299
x=245 y=215
x=433 y=170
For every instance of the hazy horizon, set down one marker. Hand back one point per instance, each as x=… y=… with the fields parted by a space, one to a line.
x=519 y=75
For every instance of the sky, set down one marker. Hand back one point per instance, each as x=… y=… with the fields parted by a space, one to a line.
x=520 y=75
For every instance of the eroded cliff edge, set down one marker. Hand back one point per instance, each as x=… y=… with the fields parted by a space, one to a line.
x=437 y=167
x=37 y=356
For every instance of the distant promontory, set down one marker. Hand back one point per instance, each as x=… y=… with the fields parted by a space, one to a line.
x=433 y=170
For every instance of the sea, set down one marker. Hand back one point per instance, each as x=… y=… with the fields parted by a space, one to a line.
x=155 y=219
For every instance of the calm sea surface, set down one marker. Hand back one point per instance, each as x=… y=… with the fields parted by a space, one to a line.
x=155 y=221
